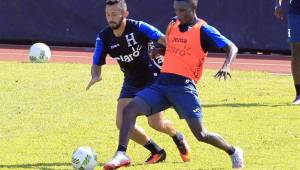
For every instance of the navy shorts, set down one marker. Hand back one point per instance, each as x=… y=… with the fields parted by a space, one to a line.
x=175 y=91
x=294 y=28
x=129 y=91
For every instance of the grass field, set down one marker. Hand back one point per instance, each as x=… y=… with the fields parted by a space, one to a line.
x=45 y=113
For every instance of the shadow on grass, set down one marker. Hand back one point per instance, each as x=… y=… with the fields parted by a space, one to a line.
x=175 y=162
x=143 y=163
x=246 y=105
x=56 y=166
x=42 y=166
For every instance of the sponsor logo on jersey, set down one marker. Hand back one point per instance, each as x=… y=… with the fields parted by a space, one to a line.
x=180 y=51
x=179 y=40
x=130 y=57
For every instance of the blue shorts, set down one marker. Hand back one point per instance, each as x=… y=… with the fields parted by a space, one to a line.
x=175 y=91
x=294 y=28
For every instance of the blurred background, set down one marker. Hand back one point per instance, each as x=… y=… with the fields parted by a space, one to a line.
x=248 y=23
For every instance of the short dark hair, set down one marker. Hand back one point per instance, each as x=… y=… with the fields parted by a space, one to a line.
x=194 y=3
x=122 y=3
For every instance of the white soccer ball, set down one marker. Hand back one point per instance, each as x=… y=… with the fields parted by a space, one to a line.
x=39 y=52
x=84 y=158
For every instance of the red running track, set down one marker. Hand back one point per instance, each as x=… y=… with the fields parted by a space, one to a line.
x=278 y=64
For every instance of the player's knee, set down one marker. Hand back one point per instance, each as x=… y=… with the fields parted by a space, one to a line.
x=119 y=119
x=118 y=124
x=157 y=125
x=130 y=111
x=202 y=136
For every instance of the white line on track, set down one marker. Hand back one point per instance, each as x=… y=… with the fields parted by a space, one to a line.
x=207 y=62
x=255 y=64
x=281 y=74
x=55 y=55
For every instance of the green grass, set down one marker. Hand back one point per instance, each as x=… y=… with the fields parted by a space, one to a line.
x=45 y=113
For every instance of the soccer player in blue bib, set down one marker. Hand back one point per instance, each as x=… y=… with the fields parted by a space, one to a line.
x=127 y=41
x=294 y=39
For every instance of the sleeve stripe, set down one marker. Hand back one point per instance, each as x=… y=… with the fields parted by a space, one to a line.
x=98 y=51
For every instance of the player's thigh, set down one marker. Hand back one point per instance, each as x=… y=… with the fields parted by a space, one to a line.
x=154 y=98
x=185 y=101
x=122 y=103
x=127 y=93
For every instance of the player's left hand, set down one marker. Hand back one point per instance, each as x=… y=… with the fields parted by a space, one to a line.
x=223 y=73
x=92 y=82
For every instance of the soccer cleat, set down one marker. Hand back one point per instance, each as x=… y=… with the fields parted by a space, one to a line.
x=237 y=158
x=157 y=157
x=297 y=100
x=184 y=150
x=120 y=159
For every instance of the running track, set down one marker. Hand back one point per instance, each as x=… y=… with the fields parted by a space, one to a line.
x=277 y=64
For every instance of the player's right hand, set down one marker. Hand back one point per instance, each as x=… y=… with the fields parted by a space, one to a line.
x=223 y=73
x=278 y=12
x=156 y=52
x=93 y=81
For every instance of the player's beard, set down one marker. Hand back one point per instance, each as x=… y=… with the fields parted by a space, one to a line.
x=113 y=25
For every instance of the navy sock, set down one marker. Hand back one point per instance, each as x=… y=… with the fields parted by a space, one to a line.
x=297 y=87
x=177 y=138
x=122 y=148
x=231 y=150
x=152 y=147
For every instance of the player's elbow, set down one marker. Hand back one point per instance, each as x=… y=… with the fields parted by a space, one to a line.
x=233 y=48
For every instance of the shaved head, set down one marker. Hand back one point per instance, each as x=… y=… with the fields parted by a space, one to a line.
x=193 y=3
x=185 y=10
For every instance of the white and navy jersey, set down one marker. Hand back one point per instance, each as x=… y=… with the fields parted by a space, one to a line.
x=130 y=50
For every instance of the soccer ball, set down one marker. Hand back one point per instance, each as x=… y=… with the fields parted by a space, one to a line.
x=84 y=158
x=39 y=52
